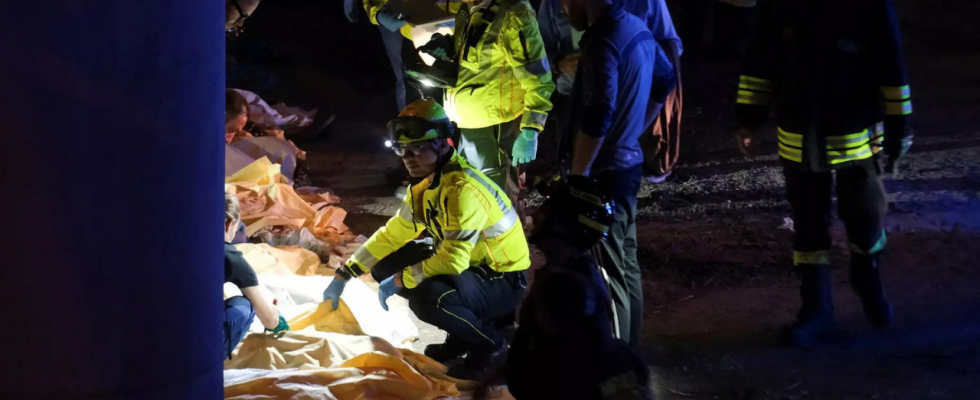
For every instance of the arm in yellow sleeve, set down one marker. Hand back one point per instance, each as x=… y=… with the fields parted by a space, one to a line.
x=525 y=52
x=398 y=231
x=372 y=7
x=467 y=215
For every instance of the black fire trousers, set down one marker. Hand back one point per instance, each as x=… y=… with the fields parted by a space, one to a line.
x=861 y=205
x=466 y=305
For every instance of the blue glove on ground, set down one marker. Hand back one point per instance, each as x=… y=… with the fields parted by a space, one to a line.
x=390 y=21
x=525 y=147
x=281 y=328
x=386 y=290
x=333 y=292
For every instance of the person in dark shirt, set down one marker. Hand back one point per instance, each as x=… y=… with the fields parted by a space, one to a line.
x=240 y=311
x=610 y=98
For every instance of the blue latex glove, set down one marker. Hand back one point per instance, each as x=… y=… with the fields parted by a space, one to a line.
x=334 y=291
x=390 y=21
x=387 y=289
x=437 y=52
x=281 y=328
x=525 y=147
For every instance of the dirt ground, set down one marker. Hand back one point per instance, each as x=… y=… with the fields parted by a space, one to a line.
x=715 y=258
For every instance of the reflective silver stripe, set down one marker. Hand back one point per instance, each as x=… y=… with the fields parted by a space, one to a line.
x=418 y=273
x=502 y=226
x=538 y=67
x=537 y=118
x=463 y=235
x=490 y=188
x=364 y=257
x=405 y=213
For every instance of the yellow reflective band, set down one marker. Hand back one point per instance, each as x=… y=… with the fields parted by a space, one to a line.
x=753 y=86
x=752 y=98
x=850 y=155
x=895 y=108
x=751 y=79
x=790 y=153
x=592 y=224
x=794 y=136
x=896 y=92
x=847 y=141
x=789 y=156
x=791 y=139
x=811 y=257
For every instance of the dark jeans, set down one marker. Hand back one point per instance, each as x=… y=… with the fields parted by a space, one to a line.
x=860 y=203
x=618 y=259
x=394 y=41
x=465 y=305
x=239 y=315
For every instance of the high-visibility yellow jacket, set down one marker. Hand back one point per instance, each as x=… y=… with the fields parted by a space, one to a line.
x=470 y=219
x=373 y=7
x=503 y=68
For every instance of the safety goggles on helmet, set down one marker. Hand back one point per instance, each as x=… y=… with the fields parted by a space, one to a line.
x=413 y=129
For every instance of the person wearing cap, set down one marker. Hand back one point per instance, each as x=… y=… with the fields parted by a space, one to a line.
x=475 y=270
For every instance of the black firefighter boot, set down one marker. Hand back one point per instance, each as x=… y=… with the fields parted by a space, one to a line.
x=816 y=317
x=866 y=282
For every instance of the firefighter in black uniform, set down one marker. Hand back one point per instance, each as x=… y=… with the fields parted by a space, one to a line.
x=835 y=72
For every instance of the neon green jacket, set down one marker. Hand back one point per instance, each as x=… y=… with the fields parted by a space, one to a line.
x=373 y=7
x=469 y=217
x=503 y=68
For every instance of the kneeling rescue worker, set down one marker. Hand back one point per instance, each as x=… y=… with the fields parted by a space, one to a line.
x=475 y=272
x=833 y=83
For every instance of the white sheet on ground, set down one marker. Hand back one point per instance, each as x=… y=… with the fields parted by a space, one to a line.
x=279 y=116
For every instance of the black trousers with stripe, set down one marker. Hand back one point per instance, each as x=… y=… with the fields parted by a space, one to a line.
x=861 y=204
x=465 y=305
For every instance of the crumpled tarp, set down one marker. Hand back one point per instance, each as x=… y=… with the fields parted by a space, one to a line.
x=320 y=365
x=267 y=201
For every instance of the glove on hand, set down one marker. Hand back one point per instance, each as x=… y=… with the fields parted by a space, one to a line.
x=390 y=21
x=388 y=289
x=525 y=147
x=334 y=290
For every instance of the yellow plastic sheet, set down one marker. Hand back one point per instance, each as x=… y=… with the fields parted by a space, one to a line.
x=271 y=205
x=261 y=172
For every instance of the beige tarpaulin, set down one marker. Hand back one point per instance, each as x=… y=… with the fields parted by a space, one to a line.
x=267 y=201
x=322 y=365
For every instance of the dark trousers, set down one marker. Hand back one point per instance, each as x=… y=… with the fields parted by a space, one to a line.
x=617 y=256
x=861 y=205
x=394 y=42
x=239 y=315
x=465 y=305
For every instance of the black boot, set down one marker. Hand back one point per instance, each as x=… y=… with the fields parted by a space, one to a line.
x=816 y=317
x=446 y=353
x=866 y=282
x=480 y=361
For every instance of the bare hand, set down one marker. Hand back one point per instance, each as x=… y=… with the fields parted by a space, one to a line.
x=569 y=64
x=746 y=144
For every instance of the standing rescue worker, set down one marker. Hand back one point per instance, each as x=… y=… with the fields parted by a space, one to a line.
x=501 y=97
x=396 y=35
x=831 y=69
x=477 y=270
x=610 y=98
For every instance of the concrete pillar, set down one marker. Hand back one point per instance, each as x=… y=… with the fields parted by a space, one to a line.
x=111 y=158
